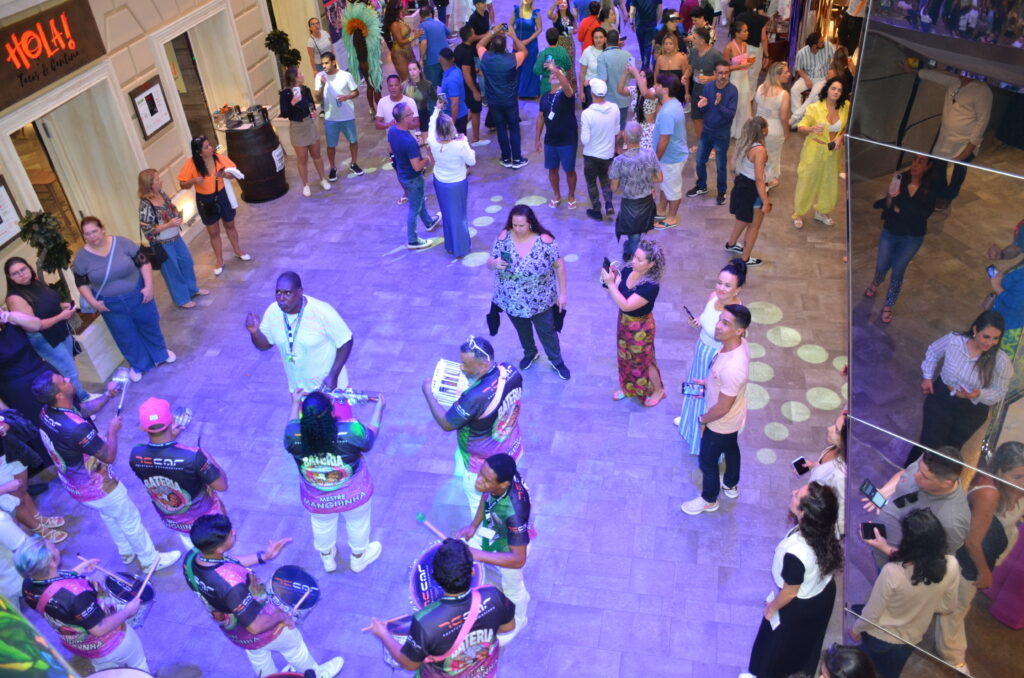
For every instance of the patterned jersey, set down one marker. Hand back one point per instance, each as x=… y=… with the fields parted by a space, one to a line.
x=332 y=483
x=487 y=416
x=76 y=607
x=177 y=479
x=436 y=627
x=233 y=595
x=72 y=442
x=509 y=516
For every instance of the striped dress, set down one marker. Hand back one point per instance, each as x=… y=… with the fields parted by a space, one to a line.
x=706 y=350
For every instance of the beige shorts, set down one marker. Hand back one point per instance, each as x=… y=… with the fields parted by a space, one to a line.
x=672 y=181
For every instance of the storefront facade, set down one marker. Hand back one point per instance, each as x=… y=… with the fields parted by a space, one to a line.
x=105 y=88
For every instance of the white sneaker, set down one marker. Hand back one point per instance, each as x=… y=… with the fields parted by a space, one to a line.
x=696 y=506
x=675 y=422
x=164 y=560
x=244 y=257
x=324 y=184
x=371 y=554
x=330 y=564
x=128 y=558
x=731 y=492
x=134 y=375
x=306 y=192
x=330 y=669
x=171 y=357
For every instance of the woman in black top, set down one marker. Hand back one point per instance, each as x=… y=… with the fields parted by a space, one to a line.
x=298 y=106
x=905 y=212
x=27 y=294
x=19 y=364
x=634 y=289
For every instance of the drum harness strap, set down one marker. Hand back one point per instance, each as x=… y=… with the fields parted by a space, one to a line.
x=467 y=626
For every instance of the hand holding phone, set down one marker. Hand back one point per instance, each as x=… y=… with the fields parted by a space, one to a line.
x=992 y=271
x=894 y=185
x=875 y=499
x=801 y=467
x=607 y=266
x=867 y=531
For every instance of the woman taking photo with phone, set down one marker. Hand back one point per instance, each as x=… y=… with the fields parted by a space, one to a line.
x=727 y=291
x=918 y=582
x=830 y=467
x=297 y=104
x=817 y=175
x=529 y=285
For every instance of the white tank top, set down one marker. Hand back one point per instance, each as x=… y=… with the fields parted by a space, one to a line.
x=708 y=319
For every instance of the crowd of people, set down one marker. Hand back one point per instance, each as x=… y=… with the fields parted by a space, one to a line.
x=936 y=542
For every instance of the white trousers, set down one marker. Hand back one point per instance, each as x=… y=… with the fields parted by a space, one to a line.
x=469 y=487
x=11 y=537
x=128 y=654
x=950 y=634
x=186 y=542
x=291 y=646
x=514 y=588
x=798 y=88
x=357 y=524
x=125 y=525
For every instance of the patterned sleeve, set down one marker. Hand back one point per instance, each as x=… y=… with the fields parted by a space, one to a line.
x=147 y=218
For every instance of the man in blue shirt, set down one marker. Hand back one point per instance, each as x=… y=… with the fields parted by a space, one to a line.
x=611 y=64
x=670 y=147
x=435 y=38
x=454 y=88
x=501 y=85
x=409 y=166
x=644 y=15
x=718 y=104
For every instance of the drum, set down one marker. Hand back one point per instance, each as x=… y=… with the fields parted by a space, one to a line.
x=123 y=672
x=290 y=584
x=122 y=595
x=448 y=382
x=422 y=586
x=400 y=630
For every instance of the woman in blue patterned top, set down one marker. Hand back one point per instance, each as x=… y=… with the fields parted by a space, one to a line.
x=530 y=284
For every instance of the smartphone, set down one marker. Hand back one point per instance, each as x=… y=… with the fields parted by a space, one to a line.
x=692 y=388
x=607 y=265
x=688 y=312
x=800 y=464
x=506 y=257
x=504 y=27
x=992 y=271
x=867 y=530
x=894 y=185
x=869 y=490
x=443 y=98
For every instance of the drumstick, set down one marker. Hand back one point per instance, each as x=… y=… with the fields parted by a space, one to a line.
x=152 y=569
x=110 y=574
x=393 y=619
x=423 y=519
x=298 y=605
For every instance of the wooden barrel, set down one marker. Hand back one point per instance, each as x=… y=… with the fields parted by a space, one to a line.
x=259 y=156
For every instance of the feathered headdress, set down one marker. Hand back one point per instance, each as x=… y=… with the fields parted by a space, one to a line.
x=364 y=20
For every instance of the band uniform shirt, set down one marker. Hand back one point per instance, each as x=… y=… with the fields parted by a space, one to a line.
x=436 y=627
x=335 y=482
x=234 y=596
x=73 y=442
x=177 y=478
x=318 y=336
x=728 y=376
x=76 y=607
x=509 y=516
x=487 y=416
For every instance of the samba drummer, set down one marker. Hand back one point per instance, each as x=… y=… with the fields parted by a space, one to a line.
x=436 y=647
x=182 y=481
x=334 y=476
x=486 y=415
x=235 y=597
x=505 y=536
x=77 y=608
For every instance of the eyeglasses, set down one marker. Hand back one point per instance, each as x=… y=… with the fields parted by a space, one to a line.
x=18 y=272
x=476 y=348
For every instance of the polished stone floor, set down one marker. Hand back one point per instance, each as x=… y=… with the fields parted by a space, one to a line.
x=623 y=584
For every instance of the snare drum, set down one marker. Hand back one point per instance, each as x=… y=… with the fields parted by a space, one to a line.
x=124 y=672
x=290 y=583
x=400 y=630
x=424 y=588
x=122 y=596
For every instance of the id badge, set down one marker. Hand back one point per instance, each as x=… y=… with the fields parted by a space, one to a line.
x=551 y=115
x=290 y=358
x=487 y=533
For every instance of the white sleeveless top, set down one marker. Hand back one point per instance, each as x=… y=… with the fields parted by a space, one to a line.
x=708 y=319
x=794 y=543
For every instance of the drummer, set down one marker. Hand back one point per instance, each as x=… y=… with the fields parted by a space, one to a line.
x=486 y=415
x=432 y=647
x=235 y=597
x=335 y=480
x=76 y=608
x=182 y=481
x=505 y=504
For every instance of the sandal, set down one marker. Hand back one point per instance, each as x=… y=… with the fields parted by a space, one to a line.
x=402 y=200
x=651 y=401
x=571 y=204
x=48 y=521
x=202 y=292
x=798 y=223
x=871 y=290
x=190 y=304
x=554 y=203
x=886 y=316
x=50 y=535
x=619 y=395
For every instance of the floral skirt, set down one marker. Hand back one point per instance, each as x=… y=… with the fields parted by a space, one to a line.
x=635 y=335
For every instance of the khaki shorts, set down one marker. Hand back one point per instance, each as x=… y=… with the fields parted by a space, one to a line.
x=672 y=182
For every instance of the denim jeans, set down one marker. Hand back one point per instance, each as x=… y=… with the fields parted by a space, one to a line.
x=178 y=272
x=135 y=327
x=720 y=143
x=414 y=191
x=629 y=247
x=645 y=38
x=712 y=446
x=506 y=118
x=888 y=658
x=61 y=358
x=895 y=252
x=434 y=73
x=545 y=324
x=952 y=186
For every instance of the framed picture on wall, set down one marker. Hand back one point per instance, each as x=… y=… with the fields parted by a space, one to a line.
x=150 y=106
x=9 y=215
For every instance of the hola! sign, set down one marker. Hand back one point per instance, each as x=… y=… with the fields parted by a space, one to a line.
x=45 y=47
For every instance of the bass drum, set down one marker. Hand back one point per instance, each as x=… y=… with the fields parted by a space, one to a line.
x=122 y=673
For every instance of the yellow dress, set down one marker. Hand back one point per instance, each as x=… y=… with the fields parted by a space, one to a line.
x=817 y=175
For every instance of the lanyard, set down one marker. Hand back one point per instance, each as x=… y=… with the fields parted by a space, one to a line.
x=291 y=333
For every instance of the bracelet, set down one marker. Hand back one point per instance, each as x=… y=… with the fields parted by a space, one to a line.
x=259 y=558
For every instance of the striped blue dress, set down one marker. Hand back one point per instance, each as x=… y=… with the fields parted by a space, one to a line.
x=706 y=350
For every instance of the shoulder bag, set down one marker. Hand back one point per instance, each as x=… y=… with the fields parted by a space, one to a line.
x=83 y=304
